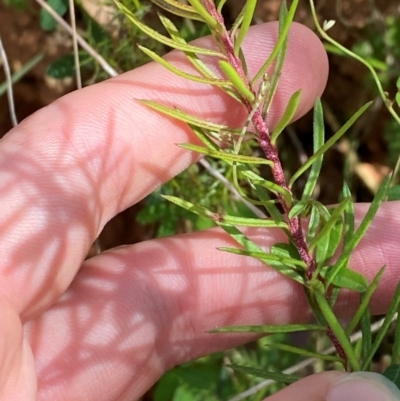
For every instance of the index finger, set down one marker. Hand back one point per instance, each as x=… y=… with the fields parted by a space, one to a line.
x=71 y=167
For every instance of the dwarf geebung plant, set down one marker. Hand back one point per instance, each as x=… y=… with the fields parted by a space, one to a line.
x=320 y=239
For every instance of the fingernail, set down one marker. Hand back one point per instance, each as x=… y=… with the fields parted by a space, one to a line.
x=364 y=386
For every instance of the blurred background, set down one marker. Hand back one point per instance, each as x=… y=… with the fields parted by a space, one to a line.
x=40 y=55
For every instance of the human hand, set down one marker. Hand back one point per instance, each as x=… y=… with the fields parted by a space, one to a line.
x=106 y=329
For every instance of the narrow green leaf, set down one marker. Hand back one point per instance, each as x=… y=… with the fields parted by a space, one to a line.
x=249 y=245
x=305 y=353
x=270 y=329
x=250 y=222
x=361 y=230
x=236 y=80
x=22 y=72
x=247 y=18
x=351 y=280
x=313 y=223
x=267 y=257
x=185 y=117
x=394 y=306
x=396 y=343
x=164 y=39
x=329 y=244
x=210 y=21
x=287 y=117
x=392 y=373
x=337 y=330
x=281 y=40
x=349 y=216
x=177 y=8
x=224 y=155
x=365 y=324
x=271 y=208
x=265 y=374
x=327 y=227
x=329 y=143
x=285 y=250
x=318 y=141
x=225 y=219
x=270 y=185
x=180 y=73
x=365 y=301
x=299 y=209
x=202 y=135
x=397 y=97
x=280 y=59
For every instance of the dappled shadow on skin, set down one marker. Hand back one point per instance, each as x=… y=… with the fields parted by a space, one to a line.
x=54 y=210
x=134 y=312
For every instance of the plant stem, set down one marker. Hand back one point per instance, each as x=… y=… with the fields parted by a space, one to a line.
x=264 y=139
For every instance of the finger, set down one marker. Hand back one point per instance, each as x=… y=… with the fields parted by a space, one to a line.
x=136 y=311
x=18 y=376
x=69 y=168
x=338 y=386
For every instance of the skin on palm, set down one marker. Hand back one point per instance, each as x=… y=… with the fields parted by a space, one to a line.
x=133 y=312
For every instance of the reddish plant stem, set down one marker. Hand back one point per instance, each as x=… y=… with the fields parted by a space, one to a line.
x=271 y=153
x=337 y=345
x=264 y=139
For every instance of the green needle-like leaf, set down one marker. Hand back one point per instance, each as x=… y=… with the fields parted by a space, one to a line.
x=210 y=21
x=366 y=298
x=281 y=41
x=318 y=141
x=361 y=230
x=313 y=223
x=305 y=353
x=265 y=374
x=247 y=18
x=177 y=8
x=270 y=329
x=183 y=74
x=287 y=117
x=250 y=222
x=250 y=246
x=164 y=39
x=337 y=330
x=224 y=155
x=393 y=308
x=349 y=217
x=267 y=257
x=335 y=216
x=270 y=185
x=185 y=117
x=231 y=73
x=329 y=143
x=225 y=219
x=396 y=343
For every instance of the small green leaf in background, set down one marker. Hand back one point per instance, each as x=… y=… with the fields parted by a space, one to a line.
x=393 y=374
x=64 y=66
x=47 y=22
x=393 y=193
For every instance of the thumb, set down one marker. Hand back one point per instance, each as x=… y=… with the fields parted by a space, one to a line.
x=340 y=386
